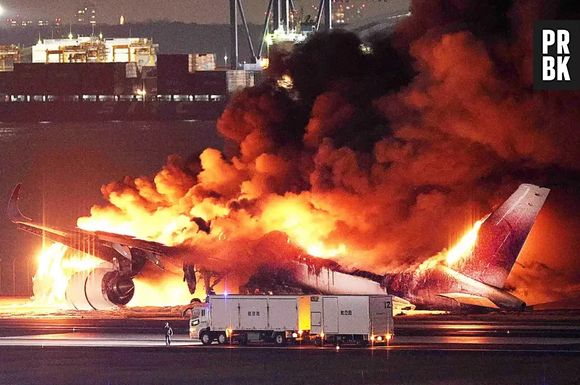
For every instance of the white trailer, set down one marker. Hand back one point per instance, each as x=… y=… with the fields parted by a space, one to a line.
x=361 y=319
x=246 y=318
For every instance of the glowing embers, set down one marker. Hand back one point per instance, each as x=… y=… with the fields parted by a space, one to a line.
x=285 y=82
x=56 y=265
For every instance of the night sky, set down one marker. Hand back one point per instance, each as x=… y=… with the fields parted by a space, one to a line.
x=198 y=11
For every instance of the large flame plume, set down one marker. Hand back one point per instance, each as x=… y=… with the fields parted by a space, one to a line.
x=372 y=157
x=464 y=247
x=457 y=253
x=55 y=266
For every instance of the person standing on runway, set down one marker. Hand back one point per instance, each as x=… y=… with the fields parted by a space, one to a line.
x=168 y=334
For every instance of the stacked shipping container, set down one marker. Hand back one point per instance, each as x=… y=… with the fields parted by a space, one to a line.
x=65 y=79
x=171 y=76
x=175 y=77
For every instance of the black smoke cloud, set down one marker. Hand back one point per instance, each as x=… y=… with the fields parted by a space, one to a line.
x=388 y=153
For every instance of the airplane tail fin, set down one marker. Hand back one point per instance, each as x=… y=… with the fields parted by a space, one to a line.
x=13 y=212
x=502 y=236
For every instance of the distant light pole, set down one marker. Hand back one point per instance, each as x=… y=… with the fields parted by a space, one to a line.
x=28 y=277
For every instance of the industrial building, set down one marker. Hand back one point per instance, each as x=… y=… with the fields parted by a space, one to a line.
x=94 y=49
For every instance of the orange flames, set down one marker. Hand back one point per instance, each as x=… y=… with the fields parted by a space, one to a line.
x=55 y=267
x=465 y=246
x=168 y=290
x=57 y=264
x=458 y=252
x=295 y=215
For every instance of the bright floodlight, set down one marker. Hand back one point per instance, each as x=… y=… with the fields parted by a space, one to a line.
x=1 y=10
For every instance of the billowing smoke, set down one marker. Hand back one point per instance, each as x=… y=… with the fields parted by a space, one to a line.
x=378 y=156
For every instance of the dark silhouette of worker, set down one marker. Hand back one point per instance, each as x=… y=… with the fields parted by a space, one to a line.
x=168 y=334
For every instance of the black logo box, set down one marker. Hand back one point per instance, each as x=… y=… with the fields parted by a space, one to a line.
x=573 y=27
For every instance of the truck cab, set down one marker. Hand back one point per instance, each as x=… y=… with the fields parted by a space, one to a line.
x=199 y=321
x=250 y=318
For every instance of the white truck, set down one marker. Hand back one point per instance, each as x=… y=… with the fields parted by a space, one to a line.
x=250 y=318
x=360 y=319
x=336 y=319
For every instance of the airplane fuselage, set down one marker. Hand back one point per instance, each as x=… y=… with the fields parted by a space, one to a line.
x=477 y=281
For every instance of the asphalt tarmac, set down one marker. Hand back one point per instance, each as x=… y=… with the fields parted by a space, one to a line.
x=267 y=365
x=424 y=351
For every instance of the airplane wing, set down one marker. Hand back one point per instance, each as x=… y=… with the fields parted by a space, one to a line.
x=470 y=299
x=106 y=246
x=113 y=285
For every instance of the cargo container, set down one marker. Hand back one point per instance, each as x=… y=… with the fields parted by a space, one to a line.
x=247 y=318
x=202 y=62
x=360 y=319
x=208 y=83
x=173 y=74
x=116 y=91
x=9 y=55
x=320 y=319
x=239 y=79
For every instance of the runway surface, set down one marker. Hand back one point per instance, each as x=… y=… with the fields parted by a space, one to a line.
x=186 y=364
x=415 y=343
x=415 y=334
x=431 y=350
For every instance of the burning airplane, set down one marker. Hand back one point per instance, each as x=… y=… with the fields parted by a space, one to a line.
x=365 y=160
x=472 y=273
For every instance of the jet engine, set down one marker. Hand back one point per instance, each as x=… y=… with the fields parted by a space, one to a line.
x=100 y=289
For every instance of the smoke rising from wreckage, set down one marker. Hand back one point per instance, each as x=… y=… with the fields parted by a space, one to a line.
x=371 y=159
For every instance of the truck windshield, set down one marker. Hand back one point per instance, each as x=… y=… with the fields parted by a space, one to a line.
x=195 y=313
